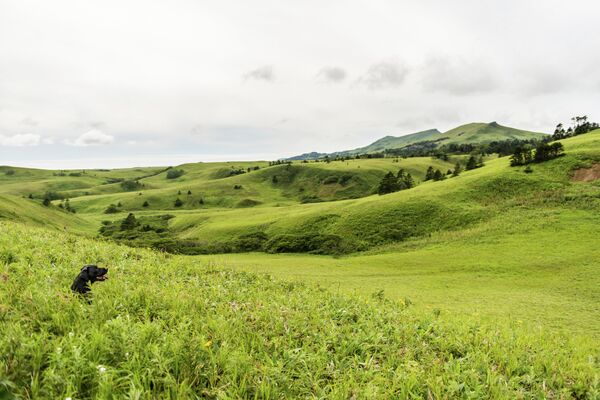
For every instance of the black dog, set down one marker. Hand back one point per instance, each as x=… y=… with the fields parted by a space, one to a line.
x=89 y=274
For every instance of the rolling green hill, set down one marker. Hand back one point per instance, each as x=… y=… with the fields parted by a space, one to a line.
x=483 y=285
x=473 y=133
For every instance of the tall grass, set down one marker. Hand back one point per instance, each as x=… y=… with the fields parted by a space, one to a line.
x=168 y=327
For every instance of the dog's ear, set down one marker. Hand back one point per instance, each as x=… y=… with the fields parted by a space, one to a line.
x=85 y=272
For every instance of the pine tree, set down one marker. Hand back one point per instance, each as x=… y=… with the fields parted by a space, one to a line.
x=429 y=174
x=438 y=175
x=388 y=184
x=457 y=169
x=129 y=223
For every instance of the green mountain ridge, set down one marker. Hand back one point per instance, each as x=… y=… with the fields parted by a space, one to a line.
x=472 y=133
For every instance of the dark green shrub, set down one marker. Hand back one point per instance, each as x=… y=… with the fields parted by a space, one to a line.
x=174 y=173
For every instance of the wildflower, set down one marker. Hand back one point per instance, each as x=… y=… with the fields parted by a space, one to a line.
x=208 y=343
x=71 y=334
x=101 y=369
x=68 y=398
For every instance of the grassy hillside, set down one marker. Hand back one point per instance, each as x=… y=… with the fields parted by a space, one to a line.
x=475 y=197
x=486 y=132
x=33 y=213
x=268 y=186
x=170 y=327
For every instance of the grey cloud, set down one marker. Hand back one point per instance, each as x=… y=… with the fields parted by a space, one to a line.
x=541 y=81
x=332 y=74
x=384 y=75
x=457 y=76
x=264 y=73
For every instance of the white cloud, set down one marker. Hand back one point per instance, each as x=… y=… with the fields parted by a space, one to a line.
x=93 y=137
x=20 y=140
x=384 y=75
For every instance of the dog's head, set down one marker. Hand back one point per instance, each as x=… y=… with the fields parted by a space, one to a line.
x=93 y=273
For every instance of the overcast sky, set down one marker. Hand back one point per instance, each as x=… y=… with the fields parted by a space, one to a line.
x=122 y=83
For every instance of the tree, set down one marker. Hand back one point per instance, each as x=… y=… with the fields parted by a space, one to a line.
x=130 y=222
x=201 y=201
x=274 y=179
x=545 y=151
x=119 y=204
x=46 y=202
x=189 y=192
x=457 y=169
x=438 y=175
x=429 y=174
x=30 y=196
x=179 y=192
x=388 y=184
x=474 y=162
x=178 y=202
x=146 y=204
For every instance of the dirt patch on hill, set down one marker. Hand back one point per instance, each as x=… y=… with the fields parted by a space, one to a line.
x=587 y=174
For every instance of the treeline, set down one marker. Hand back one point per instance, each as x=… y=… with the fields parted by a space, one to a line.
x=542 y=152
x=403 y=180
x=431 y=148
x=580 y=126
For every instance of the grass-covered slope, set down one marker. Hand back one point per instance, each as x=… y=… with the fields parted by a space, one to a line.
x=168 y=327
x=32 y=212
x=486 y=133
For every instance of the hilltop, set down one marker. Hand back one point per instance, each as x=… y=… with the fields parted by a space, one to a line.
x=473 y=133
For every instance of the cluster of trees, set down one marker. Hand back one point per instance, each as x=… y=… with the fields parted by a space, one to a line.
x=542 y=152
x=393 y=183
x=131 y=185
x=430 y=148
x=435 y=174
x=580 y=125
x=66 y=205
x=474 y=162
x=239 y=171
x=279 y=162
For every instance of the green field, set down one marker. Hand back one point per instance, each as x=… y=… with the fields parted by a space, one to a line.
x=424 y=290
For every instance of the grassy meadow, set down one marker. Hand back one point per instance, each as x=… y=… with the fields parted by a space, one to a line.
x=483 y=285
x=174 y=327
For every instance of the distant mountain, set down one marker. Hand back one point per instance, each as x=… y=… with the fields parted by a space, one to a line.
x=474 y=133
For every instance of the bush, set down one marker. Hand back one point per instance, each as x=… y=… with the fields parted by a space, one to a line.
x=251 y=242
x=174 y=173
x=309 y=243
x=178 y=203
x=111 y=209
x=130 y=185
x=9 y=172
